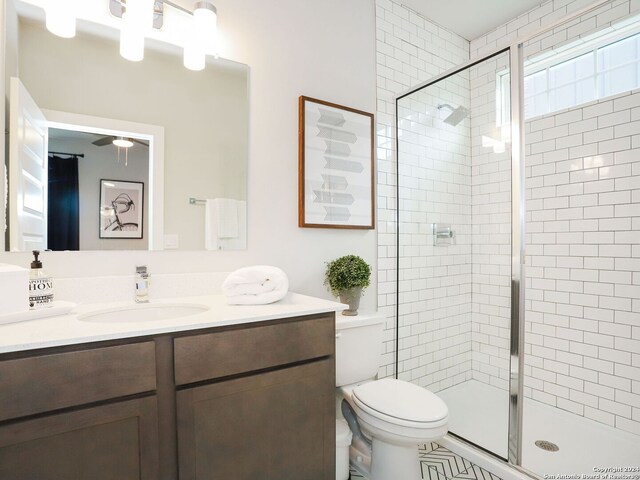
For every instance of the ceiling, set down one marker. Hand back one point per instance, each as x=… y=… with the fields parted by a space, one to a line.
x=470 y=18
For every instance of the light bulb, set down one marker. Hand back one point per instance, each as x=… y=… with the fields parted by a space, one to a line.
x=201 y=36
x=131 y=43
x=61 y=17
x=122 y=142
x=137 y=18
x=205 y=19
x=194 y=57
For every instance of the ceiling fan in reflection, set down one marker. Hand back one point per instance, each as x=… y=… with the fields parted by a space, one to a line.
x=120 y=142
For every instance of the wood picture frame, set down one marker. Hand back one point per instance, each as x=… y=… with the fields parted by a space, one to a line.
x=336 y=168
x=121 y=209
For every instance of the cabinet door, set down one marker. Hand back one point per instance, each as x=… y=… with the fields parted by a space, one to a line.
x=115 y=441
x=273 y=425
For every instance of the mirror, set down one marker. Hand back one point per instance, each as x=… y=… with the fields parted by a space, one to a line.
x=182 y=162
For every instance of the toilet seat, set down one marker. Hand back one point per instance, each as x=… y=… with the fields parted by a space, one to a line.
x=401 y=403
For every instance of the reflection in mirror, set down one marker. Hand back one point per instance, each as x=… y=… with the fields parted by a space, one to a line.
x=76 y=96
x=79 y=164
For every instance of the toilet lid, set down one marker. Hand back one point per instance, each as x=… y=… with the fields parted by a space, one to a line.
x=403 y=400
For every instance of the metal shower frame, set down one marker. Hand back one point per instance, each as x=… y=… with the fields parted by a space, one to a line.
x=516 y=375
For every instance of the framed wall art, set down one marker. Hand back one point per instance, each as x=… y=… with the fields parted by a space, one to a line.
x=121 y=208
x=335 y=166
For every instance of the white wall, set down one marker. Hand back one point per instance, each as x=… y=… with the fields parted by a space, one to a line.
x=322 y=49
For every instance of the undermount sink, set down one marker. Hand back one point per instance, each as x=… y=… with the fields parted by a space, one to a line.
x=147 y=312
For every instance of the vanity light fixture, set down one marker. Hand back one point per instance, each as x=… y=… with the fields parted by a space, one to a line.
x=61 y=17
x=138 y=18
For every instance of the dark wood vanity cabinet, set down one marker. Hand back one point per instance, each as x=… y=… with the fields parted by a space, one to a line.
x=243 y=402
x=80 y=414
x=269 y=411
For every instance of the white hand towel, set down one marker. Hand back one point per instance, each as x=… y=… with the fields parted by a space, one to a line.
x=227 y=211
x=257 y=285
x=221 y=221
x=211 y=241
x=262 y=299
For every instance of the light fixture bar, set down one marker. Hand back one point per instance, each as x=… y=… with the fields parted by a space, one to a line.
x=117 y=8
x=200 y=38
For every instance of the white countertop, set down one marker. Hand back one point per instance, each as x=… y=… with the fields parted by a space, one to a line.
x=69 y=329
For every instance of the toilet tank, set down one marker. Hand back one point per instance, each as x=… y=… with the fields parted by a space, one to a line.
x=358 y=347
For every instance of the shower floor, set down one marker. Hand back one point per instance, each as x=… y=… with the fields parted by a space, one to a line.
x=479 y=413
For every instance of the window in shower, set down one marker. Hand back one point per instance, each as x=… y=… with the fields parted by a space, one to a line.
x=577 y=72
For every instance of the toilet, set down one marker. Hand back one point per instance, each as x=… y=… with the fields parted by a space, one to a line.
x=388 y=418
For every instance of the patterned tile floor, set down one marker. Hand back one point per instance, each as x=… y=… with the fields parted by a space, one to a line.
x=438 y=463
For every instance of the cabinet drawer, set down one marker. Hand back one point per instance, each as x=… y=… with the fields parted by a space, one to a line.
x=59 y=380
x=230 y=352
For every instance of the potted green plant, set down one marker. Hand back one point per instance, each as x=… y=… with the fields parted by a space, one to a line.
x=347 y=276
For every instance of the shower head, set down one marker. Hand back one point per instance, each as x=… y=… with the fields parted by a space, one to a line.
x=456 y=115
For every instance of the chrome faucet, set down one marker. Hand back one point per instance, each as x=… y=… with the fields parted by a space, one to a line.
x=142 y=284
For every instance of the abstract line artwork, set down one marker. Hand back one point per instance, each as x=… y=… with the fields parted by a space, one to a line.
x=335 y=176
x=121 y=209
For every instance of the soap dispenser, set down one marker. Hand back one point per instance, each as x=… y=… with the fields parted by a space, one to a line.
x=40 y=285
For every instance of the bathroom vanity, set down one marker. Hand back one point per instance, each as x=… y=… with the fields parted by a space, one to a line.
x=246 y=399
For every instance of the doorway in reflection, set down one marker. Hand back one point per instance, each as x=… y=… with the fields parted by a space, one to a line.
x=77 y=163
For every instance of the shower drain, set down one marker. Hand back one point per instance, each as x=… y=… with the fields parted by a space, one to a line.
x=547 y=446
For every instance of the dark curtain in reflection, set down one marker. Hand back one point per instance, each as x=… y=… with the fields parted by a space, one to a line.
x=63 y=219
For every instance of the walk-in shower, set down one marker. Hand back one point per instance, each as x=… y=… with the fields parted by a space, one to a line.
x=527 y=322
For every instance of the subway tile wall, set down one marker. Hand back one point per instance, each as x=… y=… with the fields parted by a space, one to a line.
x=546 y=14
x=491 y=220
x=582 y=347
x=410 y=49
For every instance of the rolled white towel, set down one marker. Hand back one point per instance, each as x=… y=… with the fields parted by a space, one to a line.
x=257 y=285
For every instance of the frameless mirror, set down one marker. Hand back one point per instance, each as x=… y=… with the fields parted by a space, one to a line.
x=107 y=154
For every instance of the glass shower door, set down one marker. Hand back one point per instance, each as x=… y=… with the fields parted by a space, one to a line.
x=454 y=237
